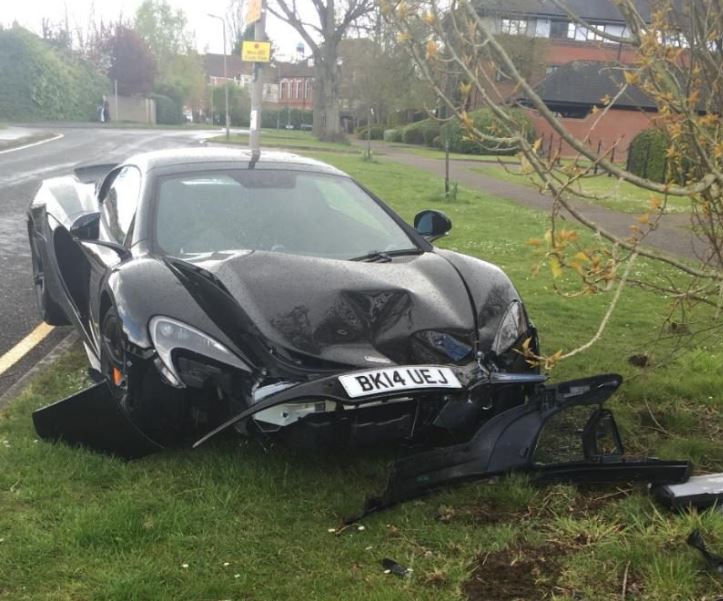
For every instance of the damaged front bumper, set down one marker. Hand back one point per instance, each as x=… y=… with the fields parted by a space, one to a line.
x=508 y=441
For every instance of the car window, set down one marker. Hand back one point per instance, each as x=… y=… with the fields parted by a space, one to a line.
x=120 y=203
x=273 y=210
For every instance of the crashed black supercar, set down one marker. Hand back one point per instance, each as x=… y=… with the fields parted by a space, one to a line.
x=281 y=297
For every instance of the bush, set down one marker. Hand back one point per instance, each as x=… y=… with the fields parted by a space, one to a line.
x=421 y=132
x=486 y=122
x=376 y=131
x=168 y=110
x=392 y=135
x=41 y=81
x=646 y=155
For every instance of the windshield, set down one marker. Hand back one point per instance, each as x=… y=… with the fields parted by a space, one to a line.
x=282 y=211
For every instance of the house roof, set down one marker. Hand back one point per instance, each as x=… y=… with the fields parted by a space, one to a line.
x=294 y=69
x=587 y=83
x=213 y=64
x=590 y=10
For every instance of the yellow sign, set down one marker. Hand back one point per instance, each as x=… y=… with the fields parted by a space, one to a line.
x=256 y=52
x=253 y=12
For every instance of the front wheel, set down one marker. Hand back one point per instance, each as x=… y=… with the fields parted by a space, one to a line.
x=155 y=408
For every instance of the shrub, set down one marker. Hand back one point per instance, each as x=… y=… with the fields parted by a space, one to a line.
x=486 y=122
x=168 y=110
x=392 y=135
x=42 y=81
x=647 y=154
x=421 y=132
x=376 y=131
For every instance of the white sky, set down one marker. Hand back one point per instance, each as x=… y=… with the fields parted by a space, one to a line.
x=29 y=14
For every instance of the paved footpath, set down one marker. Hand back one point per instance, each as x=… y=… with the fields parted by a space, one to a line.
x=673 y=235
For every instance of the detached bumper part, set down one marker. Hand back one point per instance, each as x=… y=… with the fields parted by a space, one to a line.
x=509 y=441
x=92 y=418
x=700 y=492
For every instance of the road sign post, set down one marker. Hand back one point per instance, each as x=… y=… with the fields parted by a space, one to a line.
x=258 y=51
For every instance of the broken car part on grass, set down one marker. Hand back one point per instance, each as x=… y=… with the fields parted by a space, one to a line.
x=279 y=298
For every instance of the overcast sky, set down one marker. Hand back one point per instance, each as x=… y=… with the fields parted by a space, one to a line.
x=29 y=13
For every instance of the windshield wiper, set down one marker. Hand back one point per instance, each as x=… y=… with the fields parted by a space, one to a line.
x=385 y=256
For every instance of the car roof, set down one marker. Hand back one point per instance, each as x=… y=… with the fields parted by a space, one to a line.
x=227 y=157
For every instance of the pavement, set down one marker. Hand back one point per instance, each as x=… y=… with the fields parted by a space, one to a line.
x=8 y=134
x=672 y=236
x=21 y=171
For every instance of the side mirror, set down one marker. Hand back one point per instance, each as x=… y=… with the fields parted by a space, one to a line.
x=86 y=227
x=432 y=224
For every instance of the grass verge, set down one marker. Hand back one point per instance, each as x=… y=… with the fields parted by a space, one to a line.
x=232 y=522
x=612 y=193
x=289 y=139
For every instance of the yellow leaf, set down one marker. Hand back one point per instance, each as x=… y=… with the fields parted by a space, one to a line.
x=465 y=88
x=534 y=242
x=654 y=203
x=644 y=218
x=537 y=144
x=581 y=256
x=548 y=236
x=555 y=267
x=429 y=18
x=432 y=49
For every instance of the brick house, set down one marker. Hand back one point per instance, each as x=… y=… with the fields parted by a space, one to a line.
x=570 y=65
x=296 y=85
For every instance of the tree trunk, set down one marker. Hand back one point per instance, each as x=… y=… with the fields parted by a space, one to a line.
x=327 y=125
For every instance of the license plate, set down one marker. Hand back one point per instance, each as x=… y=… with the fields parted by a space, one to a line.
x=396 y=379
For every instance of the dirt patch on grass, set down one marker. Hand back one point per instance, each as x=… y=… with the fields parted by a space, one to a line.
x=516 y=573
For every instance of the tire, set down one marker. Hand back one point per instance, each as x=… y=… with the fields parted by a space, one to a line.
x=155 y=408
x=50 y=312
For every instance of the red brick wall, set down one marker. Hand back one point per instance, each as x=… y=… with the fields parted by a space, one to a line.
x=617 y=127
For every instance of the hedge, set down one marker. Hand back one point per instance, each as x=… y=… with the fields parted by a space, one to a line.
x=168 y=110
x=421 y=132
x=377 y=132
x=647 y=155
x=486 y=122
x=40 y=81
x=392 y=135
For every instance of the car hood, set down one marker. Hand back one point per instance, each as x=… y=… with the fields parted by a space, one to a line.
x=328 y=313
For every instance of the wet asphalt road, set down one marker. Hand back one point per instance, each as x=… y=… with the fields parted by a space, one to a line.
x=20 y=174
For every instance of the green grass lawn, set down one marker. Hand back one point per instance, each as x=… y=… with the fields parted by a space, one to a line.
x=230 y=521
x=612 y=193
x=289 y=139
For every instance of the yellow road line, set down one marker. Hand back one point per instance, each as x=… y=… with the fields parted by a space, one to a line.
x=23 y=347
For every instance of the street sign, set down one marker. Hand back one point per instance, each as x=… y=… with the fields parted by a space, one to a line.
x=256 y=52
x=253 y=12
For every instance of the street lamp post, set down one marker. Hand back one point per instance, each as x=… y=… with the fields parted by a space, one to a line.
x=225 y=71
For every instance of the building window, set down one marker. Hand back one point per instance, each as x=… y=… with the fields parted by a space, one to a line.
x=514 y=26
x=298 y=89
x=558 y=29
x=577 y=32
x=308 y=89
x=542 y=28
x=283 y=90
x=617 y=30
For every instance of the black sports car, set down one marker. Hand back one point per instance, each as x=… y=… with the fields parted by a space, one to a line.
x=278 y=296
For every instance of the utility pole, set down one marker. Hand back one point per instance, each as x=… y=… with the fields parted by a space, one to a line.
x=257 y=89
x=225 y=71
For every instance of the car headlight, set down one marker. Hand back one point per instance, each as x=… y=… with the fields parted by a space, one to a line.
x=513 y=325
x=169 y=334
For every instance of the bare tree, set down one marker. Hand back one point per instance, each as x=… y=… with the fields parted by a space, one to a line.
x=332 y=20
x=679 y=67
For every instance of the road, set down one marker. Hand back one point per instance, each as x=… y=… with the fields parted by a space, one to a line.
x=20 y=173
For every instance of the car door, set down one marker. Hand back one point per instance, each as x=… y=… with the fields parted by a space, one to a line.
x=118 y=199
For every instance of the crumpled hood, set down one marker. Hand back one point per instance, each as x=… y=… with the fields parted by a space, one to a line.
x=414 y=309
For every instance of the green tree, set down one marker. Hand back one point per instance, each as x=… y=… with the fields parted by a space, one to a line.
x=331 y=23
